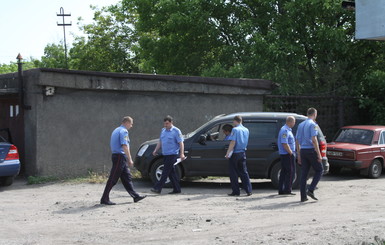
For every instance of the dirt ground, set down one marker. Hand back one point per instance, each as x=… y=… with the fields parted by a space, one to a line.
x=350 y=211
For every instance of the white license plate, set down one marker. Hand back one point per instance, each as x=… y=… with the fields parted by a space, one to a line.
x=335 y=153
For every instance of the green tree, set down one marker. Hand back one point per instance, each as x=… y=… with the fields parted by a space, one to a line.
x=372 y=97
x=13 y=67
x=54 y=57
x=306 y=46
x=174 y=37
x=108 y=42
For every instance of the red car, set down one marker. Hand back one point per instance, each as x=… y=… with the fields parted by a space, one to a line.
x=358 y=147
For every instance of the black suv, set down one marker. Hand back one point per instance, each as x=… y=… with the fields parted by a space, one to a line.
x=205 y=149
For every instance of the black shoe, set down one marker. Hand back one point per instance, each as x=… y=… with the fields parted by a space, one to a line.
x=174 y=192
x=249 y=194
x=286 y=193
x=107 y=202
x=304 y=200
x=155 y=191
x=138 y=198
x=233 y=195
x=311 y=194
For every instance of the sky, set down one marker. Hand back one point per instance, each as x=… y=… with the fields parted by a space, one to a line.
x=27 y=26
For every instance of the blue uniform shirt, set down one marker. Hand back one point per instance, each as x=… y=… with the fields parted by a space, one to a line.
x=170 y=140
x=285 y=136
x=306 y=130
x=119 y=137
x=227 y=137
x=240 y=135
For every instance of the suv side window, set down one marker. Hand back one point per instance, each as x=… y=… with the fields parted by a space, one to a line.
x=215 y=133
x=262 y=129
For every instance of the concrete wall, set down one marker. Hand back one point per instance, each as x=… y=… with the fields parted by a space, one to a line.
x=68 y=133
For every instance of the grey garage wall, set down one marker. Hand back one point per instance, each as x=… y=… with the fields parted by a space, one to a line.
x=75 y=126
x=68 y=133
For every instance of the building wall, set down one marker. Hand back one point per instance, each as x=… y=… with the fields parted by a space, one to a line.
x=68 y=133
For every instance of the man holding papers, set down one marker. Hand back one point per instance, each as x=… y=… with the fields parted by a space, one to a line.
x=171 y=142
x=237 y=158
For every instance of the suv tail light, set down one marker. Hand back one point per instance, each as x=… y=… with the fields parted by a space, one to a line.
x=322 y=147
x=13 y=154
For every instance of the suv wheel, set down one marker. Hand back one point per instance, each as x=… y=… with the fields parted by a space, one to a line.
x=157 y=169
x=375 y=169
x=275 y=173
x=7 y=181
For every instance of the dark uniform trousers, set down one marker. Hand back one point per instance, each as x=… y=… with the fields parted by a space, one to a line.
x=309 y=159
x=287 y=173
x=168 y=172
x=119 y=170
x=238 y=168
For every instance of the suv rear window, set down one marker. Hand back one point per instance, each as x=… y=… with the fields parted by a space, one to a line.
x=262 y=129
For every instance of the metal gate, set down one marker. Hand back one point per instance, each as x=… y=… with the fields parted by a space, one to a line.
x=334 y=112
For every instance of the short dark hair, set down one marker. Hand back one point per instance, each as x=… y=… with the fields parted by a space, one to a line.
x=311 y=111
x=168 y=118
x=238 y=119
x=227 y=127
x=127 y=119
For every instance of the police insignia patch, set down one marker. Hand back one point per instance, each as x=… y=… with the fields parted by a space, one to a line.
x=125 y=138
x=284 y=136
x=315 y=127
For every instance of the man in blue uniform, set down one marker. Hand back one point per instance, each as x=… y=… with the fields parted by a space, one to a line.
x=227 y=128
x=237 y=158
x=171 y=142
x=286 y=148
x=120 y=147
x=310 y=155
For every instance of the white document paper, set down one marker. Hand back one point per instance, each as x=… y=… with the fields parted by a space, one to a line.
x=230 y=154
x=179 y=160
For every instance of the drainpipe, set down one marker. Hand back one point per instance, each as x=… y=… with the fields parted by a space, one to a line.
x=21 y=83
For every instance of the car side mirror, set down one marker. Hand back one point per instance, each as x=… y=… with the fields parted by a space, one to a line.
x=202 y=139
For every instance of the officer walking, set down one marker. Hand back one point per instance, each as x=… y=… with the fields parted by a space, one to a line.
x=171 y=142
x=286 y=148
x=120 y=147
x=310 y=155
x=237 y=158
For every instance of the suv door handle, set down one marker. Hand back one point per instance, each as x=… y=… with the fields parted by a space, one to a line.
x=226 y=147
x=274 y=146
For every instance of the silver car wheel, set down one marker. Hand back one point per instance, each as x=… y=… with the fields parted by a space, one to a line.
x=158 y=173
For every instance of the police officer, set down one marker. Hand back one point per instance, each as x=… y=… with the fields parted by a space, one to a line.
x=310 y=155
x=226 y=129
x=120 y=147
x=171 y=142
x=286 y=148
x=237 y=158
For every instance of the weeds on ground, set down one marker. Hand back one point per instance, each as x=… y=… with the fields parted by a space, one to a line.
x=33 y=180
x=92 y=177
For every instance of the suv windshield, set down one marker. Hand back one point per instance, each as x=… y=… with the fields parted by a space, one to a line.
x=202 y=127
x=355 y=136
